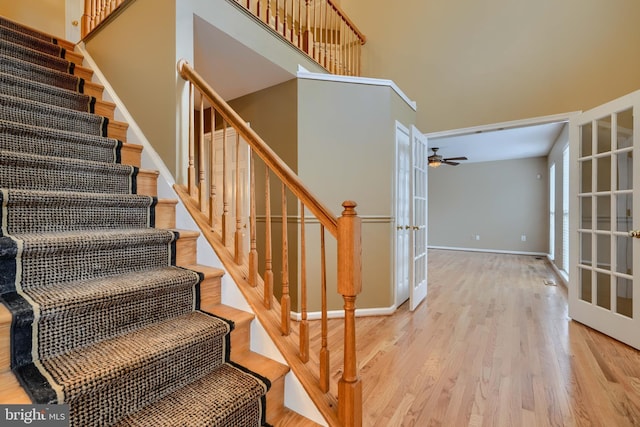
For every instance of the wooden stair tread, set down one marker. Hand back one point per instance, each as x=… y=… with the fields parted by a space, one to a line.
x=237 y=316
x=263 y=365
x=11 y=391
x=93 y=89
x=290 y=418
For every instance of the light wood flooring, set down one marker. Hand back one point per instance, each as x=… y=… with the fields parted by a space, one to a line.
x=491 y=346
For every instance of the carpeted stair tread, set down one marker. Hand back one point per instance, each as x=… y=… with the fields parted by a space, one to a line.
x=18 y=87
x=209 y=401
x=40 y=114
x=102 y=319
x=74 y=315
x=31 y=171
x=40 y=74
x=7 y=23
x=23 y=53
x=109 y=359
x=34 y=211
x=22 y=137
x=27 y=40
x=137 y=368
x=35 y=260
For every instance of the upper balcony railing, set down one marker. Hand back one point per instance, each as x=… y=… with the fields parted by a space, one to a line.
x=317 y=27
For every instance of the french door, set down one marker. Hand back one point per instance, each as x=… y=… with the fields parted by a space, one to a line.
x=418 y=250
x=411 y=216
x=604 y=291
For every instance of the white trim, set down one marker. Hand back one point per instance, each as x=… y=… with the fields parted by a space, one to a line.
x=304 y=74
x=555 y=118
x=495 y=251
x=339 y=314
x=563 y=275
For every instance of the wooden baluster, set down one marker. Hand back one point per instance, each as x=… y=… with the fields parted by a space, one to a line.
x=349 y=286
x=323 y=34
x=268 y=268
x=201 y=170
x=258 y=8
x=248 y=4
x=86 y=18
x=285 y=300
x=307 y=42
x=238 y=235
x=299 y=44
x=284 y=19
x=191 y=171
x=213 y=211
x=226 y=236
x=324 y=350
x=253 y=252
x=277 y=15
x=333 y=42
x=341 y=58
x=358 y=55
x=304 y=324
x=267 y=18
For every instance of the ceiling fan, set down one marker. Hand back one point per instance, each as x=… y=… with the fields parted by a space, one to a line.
x=436 y=160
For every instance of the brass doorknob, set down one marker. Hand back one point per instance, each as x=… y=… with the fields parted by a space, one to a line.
x=635 y=233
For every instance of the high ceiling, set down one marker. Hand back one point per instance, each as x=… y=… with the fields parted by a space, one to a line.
x=238 y=70
x=498 y=143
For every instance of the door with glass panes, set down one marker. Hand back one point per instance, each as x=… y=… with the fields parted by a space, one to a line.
x=604 y=288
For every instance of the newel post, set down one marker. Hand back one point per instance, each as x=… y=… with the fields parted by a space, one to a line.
x=349 y=286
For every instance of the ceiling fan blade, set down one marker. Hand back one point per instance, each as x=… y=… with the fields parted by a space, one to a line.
x=446 y=162
x=456 y=158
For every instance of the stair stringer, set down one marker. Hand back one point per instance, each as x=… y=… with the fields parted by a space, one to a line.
x=296 y=398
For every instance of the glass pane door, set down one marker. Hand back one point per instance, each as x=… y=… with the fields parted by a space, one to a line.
x=603 y=291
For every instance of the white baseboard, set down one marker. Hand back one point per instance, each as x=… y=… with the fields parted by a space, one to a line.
x=494 y=251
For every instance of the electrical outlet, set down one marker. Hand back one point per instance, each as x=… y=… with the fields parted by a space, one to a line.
x=477 y=237
x=523 y=237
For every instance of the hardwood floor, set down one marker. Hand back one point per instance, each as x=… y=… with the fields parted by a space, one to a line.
x=491 y=346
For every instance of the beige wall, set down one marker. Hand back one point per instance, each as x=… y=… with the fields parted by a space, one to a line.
x=50 y=17
x=136 y=53
x=346 y=151
x=472 y=63
x=499 y=201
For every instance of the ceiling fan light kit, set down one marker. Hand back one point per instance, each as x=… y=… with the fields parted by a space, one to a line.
x=436 y=160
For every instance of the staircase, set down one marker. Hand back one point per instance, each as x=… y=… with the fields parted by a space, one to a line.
x=105 y=308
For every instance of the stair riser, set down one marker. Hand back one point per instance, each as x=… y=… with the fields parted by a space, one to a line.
x=45 y=219
x=141 y=382
x=81 y=261
x=97 y=321
x=42 y=177
x=210 y=291
x=18 y=87
x=38 y=114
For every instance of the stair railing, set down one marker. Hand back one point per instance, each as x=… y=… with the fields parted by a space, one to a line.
x=317 y=27
x=214 y=167
x=96 y=12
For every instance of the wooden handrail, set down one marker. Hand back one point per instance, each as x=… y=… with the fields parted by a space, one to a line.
x=226 y=124
x=266 y=153
x=349 y=22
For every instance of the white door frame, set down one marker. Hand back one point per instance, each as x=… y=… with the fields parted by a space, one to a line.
x=402 y=215
x=589 y=263
x=419 y=215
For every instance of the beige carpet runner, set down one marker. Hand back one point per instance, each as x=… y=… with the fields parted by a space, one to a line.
x=103 y=320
